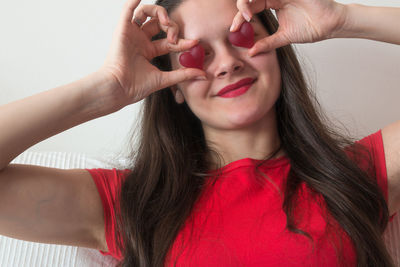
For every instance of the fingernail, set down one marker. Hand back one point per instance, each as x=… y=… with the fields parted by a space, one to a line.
x=232 y=26
x=246 y=16
x=250 y=53
x=200 y=78
x=167 y=19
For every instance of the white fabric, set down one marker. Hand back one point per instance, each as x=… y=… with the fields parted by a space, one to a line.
x=20 y=253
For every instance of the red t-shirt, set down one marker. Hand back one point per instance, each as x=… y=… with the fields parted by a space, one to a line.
x=238 y=222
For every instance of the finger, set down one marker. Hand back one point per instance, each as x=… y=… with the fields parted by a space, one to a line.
x=169 y=78
x=128 y=10
x=152 y=27
x=163 y=47
x=173 y=31
x=164 y=23
x=153 y=11
x=268 y=43
x=244 y=9
x=237 y=21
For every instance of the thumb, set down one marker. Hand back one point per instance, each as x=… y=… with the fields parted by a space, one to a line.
x=169 y=78
x=269 y=43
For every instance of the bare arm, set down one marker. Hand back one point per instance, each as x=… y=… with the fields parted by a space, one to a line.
x=51 y=205
x=391 y=143
x=380 y=24
x=30 y=120
x=374 y=23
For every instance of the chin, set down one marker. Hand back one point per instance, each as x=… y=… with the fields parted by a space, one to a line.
x=242 y=119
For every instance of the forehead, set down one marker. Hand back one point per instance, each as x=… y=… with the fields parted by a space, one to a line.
x=204 y=19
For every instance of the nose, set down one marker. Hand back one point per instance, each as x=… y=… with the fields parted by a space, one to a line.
x=228 y=62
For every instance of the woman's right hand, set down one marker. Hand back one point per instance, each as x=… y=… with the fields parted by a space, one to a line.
x=128 y=60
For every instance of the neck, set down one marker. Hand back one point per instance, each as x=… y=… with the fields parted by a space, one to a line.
x=259 y=140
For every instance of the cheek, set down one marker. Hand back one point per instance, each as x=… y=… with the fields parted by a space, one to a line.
x=200 y=103
x=266 y=63
x=195 y=92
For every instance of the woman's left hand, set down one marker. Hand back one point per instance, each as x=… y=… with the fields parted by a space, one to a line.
x=300 y=21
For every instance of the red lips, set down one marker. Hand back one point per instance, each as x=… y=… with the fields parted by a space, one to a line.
x=235 y=85
x=194 y=58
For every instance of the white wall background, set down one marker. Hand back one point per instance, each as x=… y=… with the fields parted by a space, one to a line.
x=48 y=43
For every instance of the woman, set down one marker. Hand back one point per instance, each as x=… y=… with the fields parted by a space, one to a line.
x=256 y=179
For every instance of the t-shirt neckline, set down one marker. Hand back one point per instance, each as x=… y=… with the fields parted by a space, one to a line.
x=270 y=163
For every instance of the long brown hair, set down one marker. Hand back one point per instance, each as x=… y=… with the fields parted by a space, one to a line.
x=169 y=168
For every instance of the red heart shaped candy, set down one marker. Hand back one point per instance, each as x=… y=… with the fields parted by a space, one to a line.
x=244 y=37
x=194 y=58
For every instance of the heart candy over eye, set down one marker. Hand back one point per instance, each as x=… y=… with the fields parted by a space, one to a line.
x=244 y=37
x=194 y=58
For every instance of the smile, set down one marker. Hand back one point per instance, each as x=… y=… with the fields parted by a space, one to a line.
x=238 y=91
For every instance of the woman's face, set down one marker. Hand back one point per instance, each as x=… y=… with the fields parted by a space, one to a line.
x=225 y=64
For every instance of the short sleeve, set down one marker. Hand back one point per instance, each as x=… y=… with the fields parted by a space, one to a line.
x=374 y=143
x=108 y=181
